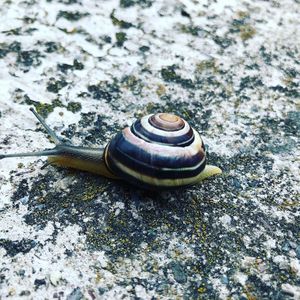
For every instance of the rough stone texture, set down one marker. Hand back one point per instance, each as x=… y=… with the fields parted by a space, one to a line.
x=231 y=69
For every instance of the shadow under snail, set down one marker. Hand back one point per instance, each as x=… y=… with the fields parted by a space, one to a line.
x=160 y=151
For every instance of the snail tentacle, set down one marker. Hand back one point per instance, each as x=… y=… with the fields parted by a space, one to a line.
x=57 y=140
x=46 y=152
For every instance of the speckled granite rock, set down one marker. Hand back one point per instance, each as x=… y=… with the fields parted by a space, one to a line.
x=91 y=68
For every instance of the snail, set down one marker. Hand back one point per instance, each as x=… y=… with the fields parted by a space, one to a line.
x=159 y=151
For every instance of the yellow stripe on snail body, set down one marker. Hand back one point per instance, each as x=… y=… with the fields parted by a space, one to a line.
x=160 y=151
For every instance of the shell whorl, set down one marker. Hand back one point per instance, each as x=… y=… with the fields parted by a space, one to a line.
x=157 y=151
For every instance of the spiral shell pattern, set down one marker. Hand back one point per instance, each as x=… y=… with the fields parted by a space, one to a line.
x=157 y=151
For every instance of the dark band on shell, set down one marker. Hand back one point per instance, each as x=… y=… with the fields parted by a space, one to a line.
x=151 y=163
x=176 y=140
x=145 y=156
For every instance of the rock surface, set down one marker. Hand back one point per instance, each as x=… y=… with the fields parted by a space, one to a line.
x=92 y=67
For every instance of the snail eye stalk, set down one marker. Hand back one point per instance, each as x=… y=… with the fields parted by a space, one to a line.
x=57 y=140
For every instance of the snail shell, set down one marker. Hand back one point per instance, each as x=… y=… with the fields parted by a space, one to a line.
x=159 y=150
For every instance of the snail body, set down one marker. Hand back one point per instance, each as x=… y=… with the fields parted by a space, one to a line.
x=160 y=151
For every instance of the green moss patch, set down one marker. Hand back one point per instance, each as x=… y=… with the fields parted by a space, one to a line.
x=121 y=38
x=169 y=75
x=120 y=23
x=142 y=3
x=64 y=68
x=16 y=247
x=242 y=25
x=71 y=16
x=74 y=107
x=105 y=90
x=55 y=85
